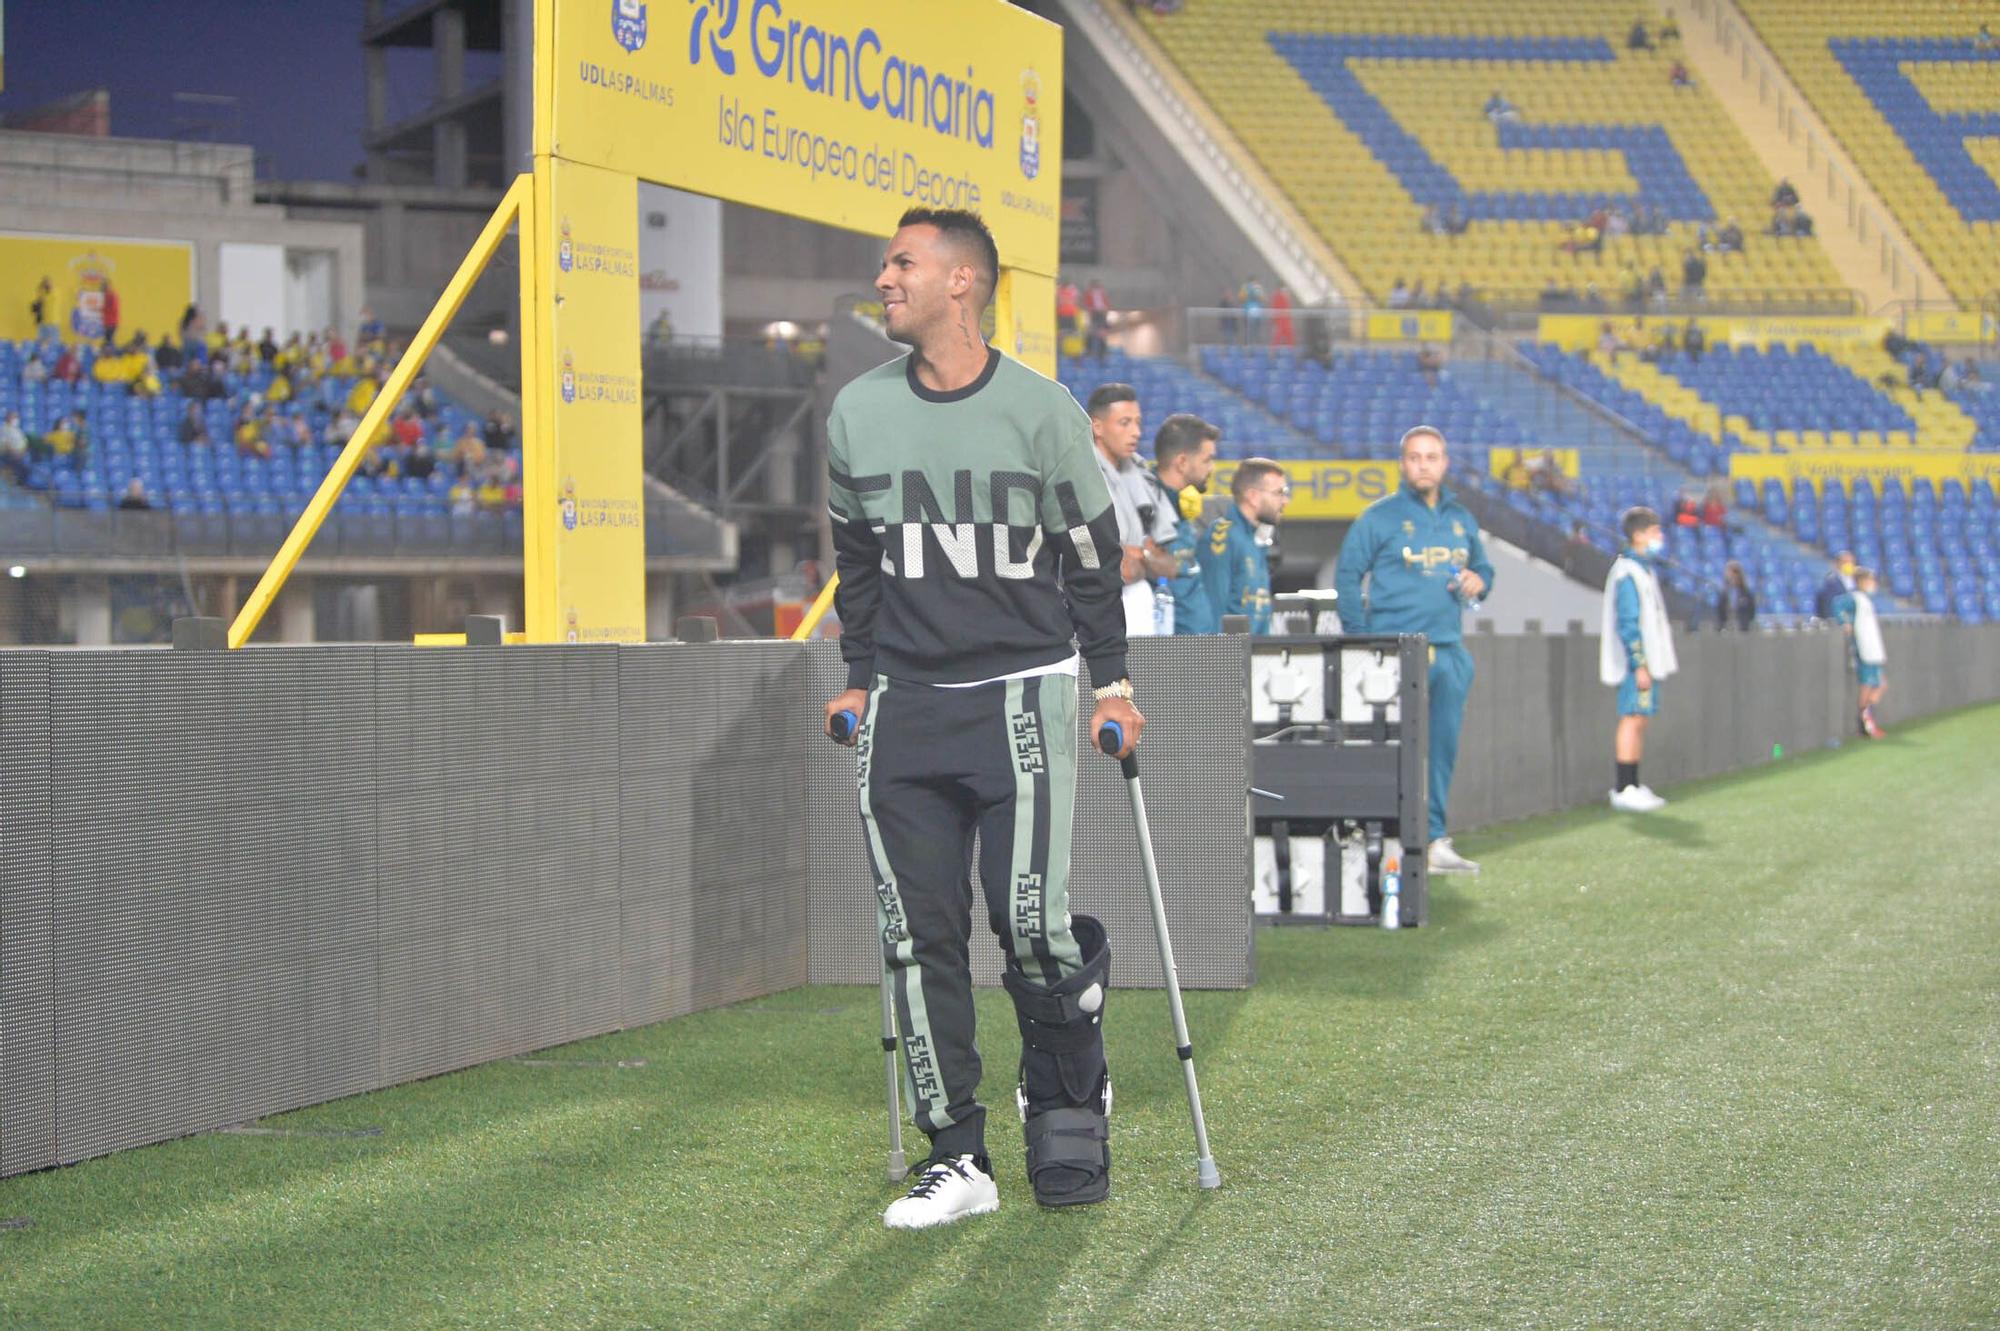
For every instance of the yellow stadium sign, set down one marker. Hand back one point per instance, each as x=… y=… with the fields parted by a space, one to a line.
x=146 y=284
x=1326 y=491
x=1579 y=332
x=1409 y=326
x=838 y=111
x=1875 y=464
x=1954 y=326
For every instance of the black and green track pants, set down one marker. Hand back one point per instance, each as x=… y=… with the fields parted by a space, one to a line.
x=935 y=765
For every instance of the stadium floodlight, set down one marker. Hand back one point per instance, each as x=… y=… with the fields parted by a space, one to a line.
x=17 y=570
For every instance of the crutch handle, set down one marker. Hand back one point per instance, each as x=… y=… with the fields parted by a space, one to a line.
x=843 y=725
x=1111 y=738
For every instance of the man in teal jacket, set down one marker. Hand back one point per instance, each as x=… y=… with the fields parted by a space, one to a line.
x=1183 y=461
x=1234 y=565
x=1424 y=563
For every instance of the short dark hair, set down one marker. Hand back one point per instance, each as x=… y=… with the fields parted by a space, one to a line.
x=1432 y=431
x=1637 y=519
x=1252 y=471
x=967 y=228
x=1106 y=396
x=1180 y=434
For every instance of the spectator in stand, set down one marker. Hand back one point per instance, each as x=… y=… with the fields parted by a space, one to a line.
x=134 y=497
x=1399 y=296
x=1736 y=607
x=38 y=306
x=1687 y=513
x=34 y=370
x=1678 y=77
x=1729 y=240
x=191 y=324
x=498 y=431
x=13 y=448
x=1515 y=475
x=1418 y=299
x=1548 y=474
x=1984 y=40
x=1609 y=344
x=1670 y=31
x=1715 y=508
x=1693 y=341
x=492 y=491
x=1785 y=196
x=407 y=430
x=422 y=462
x=1253 y=300
x=468 y=451
x=1579 y=540
x=167 y=357
x=110 y=316
x=1431 y=361
x=1281 y=317
x=341 y=428
x=1694 y=275
x=1498 y=108
x=63 y=440
x=267 y=347
x=1969 y=378
x=371 y=329
x=250 y=440
x=461 y=499
x=1069 y=302
x=423 y=399
x=1097 y=305
x=1638 y=39
x=1433 y=220
x=68 y=368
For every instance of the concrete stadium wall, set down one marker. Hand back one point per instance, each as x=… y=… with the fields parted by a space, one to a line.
x=237 y=883
x=1538 y=724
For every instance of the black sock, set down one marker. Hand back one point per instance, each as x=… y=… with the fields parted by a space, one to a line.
x=1628 y=775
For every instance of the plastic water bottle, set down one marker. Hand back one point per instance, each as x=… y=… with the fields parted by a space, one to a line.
x=1392 y=896
x=1163 y=609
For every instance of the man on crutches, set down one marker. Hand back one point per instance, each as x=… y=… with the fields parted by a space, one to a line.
x=978 y=558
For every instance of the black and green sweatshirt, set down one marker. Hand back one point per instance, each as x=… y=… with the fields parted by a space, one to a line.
x=972 y=530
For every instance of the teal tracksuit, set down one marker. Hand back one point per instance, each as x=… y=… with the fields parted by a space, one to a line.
x=1632 y=700
x=1236 y=570
x=1409 y=551
x=1194 y=611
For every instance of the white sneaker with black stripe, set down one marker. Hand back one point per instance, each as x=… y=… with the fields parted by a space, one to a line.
x=945 y=1190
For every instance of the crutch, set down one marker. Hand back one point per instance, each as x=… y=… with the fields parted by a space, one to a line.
x=843 y=726
x=1111 y=738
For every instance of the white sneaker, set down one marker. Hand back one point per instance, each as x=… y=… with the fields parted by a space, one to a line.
x=946 y=1190
x=1444 y=858
x=1636 y=799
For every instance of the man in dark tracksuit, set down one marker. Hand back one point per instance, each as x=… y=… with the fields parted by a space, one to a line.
x=974 y=538
x=1420 y=551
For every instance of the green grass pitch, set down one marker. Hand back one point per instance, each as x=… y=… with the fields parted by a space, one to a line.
x=1734 y=1066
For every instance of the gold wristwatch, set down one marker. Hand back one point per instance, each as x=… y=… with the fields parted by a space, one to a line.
x=1117 y=688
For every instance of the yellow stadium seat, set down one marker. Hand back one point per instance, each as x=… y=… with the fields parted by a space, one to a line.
x=1965 y=253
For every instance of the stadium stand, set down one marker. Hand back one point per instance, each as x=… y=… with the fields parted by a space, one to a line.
x=1915 y=99
x=1377 y=129
x=135 y=434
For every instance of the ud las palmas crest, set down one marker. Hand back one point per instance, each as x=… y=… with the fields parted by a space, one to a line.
x=628 y=23
x=568 y=376
x=92 y=278
x=565 y=250
x=568 y=503
x=1031 y=124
